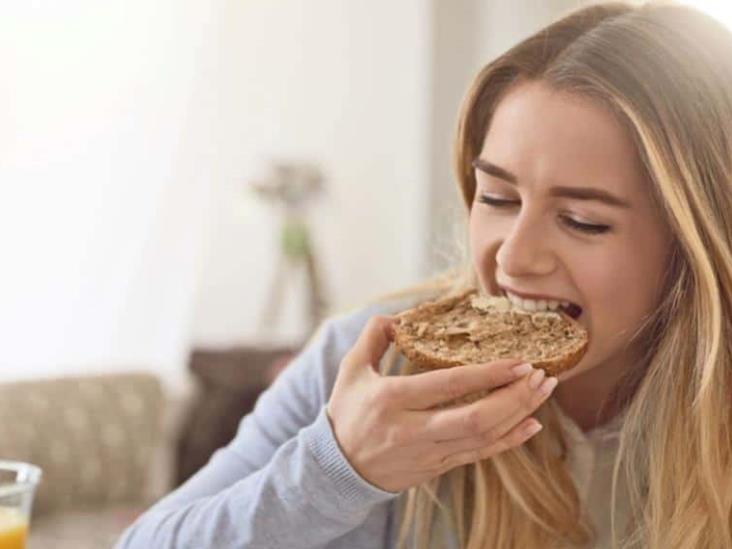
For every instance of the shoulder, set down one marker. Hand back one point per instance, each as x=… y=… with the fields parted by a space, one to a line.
x=337 y=335
x=346 y=326
x=307 y=382
x=315 y=368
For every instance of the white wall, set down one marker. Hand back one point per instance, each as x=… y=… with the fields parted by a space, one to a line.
x=101 y=202
x=127 y=132
x=129 y=128
x=341 y=83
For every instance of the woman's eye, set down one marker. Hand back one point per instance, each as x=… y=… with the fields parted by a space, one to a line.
x=583 y=227
x=498 y=202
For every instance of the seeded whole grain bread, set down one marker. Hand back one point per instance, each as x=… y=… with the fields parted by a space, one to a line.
x=472 y=328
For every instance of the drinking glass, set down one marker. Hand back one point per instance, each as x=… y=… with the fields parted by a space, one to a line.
x=18 y=483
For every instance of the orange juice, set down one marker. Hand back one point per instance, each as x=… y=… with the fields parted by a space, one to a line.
x=13 y=529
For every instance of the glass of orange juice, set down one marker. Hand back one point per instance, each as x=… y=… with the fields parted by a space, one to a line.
x=18 y=483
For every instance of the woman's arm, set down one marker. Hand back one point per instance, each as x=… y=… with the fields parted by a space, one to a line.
x=283 y=481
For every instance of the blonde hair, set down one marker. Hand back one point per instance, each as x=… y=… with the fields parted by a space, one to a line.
x=665 y=70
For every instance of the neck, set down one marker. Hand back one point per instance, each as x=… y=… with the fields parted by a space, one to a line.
x=585 y=397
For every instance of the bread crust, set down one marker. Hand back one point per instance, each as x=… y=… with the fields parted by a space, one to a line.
x=430 y=310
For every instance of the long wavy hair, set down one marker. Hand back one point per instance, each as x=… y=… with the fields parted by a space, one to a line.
x=665 y=70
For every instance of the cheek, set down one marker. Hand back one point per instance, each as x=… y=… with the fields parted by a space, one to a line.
x=619 y=293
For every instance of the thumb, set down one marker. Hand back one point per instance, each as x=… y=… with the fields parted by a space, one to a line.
x=372 y=343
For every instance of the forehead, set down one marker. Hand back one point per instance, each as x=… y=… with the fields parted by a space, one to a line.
x=549 y=137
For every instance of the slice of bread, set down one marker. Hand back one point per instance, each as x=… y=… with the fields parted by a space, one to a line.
x=472 y=328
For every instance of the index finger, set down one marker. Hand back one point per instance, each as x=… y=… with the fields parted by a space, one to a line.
x=425 y=390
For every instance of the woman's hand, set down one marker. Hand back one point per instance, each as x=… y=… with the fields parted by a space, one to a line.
x=391 y=437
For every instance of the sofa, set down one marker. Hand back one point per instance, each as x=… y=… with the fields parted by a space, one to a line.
x=105 y=445
x=111 y=445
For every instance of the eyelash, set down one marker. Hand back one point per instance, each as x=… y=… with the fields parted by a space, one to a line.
x=582 y=227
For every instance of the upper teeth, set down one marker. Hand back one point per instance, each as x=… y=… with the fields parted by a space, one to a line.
x=535 y=304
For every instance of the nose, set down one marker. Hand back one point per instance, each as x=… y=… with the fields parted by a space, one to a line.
x=526 y=249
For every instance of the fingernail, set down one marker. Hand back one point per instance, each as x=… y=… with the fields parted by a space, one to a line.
x=521 y=369
x=536 y=378
x=548 y=385
x=533 y=428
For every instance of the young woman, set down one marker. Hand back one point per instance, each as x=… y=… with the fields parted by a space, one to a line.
x=594 y=159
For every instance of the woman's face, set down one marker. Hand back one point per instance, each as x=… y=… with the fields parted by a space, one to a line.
x=606 y=257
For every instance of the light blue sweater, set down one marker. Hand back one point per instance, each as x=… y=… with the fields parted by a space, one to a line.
x=283 y=482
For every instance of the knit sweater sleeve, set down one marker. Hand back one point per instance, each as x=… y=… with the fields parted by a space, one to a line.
x=283 y=480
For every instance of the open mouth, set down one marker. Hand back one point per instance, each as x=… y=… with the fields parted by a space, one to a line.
x=571 y=309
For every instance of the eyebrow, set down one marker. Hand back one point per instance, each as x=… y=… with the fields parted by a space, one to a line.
x=580 y=193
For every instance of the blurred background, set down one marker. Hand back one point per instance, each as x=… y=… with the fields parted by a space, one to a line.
x=188 y=187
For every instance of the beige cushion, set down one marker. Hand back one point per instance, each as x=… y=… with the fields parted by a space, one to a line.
x=93 y=436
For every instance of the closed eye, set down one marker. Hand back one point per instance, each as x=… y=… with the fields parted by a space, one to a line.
x=572 y=223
